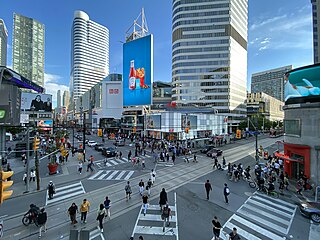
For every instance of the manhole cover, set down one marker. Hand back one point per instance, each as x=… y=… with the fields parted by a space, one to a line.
x=193 y=207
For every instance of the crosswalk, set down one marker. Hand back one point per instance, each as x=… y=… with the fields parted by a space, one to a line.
x=112 y=175
x=262 y=217
x=65 y=192
x=151 y=224
x=110 y=162
x=96 y=234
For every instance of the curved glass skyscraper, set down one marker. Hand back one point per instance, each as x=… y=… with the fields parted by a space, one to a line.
x=90 y=54
x=209 y=54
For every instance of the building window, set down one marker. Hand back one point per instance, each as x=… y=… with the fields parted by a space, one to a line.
x=292 y=127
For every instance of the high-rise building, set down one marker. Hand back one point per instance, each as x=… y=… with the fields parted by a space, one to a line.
x=209 y=54
x=316 y=27
x=28 y=48
x=58 y=99
x=66 y=98
x=3 y=43
x=89 y=54
x=270 y=82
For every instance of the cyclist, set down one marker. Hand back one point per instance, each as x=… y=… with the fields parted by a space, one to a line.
x=247 y=172
x=33 y=212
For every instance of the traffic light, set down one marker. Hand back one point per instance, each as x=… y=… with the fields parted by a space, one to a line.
x=99 y=132
x=36 y=143
x=64 y=153
x=4 y=184
x=187 y=130
x=238 y=134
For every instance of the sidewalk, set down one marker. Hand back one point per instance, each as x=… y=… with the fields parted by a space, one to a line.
x=68 y=173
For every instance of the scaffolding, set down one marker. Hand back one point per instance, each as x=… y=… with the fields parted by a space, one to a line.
x=138 y=29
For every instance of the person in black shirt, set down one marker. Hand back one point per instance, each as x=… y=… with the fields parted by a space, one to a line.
x=216 y=228
x=72 y=211
x=36 y=104
x=42 y=221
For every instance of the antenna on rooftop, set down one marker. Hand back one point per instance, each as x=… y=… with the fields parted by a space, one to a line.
x=138 y=29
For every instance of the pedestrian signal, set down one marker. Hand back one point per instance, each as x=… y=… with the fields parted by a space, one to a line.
x=36 y=143
x=238 y=134
x=187 y=130
x=4 y=184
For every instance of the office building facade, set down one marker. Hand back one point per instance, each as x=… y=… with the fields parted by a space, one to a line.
x=58 y=99
x=28 y=48
x=316 y=27
x=89 y=54
x=209 y=55
x=66 y=98
x=270 y=82
x=3 y=43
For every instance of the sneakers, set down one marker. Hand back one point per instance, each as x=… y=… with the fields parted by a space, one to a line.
x=102 y=230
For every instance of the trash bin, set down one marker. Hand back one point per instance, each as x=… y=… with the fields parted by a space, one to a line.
x=73 y=234
x=84 y=234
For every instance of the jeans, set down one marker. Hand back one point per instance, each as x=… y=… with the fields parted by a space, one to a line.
x=41 y=227
x=83 y=216
x=145 y=207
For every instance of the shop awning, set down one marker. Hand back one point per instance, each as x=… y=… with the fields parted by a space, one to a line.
x=286 y=157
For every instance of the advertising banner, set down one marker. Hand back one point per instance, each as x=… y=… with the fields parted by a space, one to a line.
x=138 y=71
x=302 y=84
x=188 y=121
x=153 y=121
x=45 y=124
x=36 y=102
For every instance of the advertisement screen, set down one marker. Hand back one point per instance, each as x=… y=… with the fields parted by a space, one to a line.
x=188 y=121
x=153 y=122
x=302 y=84
x=36 y=102
x=45 y=124
x=138 y=71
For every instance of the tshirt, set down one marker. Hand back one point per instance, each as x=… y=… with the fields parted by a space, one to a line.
x=216 y=225
x=85 y=206
x=145 y=199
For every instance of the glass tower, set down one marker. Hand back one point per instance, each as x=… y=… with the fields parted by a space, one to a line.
x=209 y=54
x=28 y=48
x=90 y=54
x=3 y=43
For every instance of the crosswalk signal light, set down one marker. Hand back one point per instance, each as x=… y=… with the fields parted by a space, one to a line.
x=36 y=143
x=238 y=134
x=187 y=130
x=4 y=184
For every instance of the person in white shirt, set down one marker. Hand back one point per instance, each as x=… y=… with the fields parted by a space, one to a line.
x=32 y=175
x=153 y=176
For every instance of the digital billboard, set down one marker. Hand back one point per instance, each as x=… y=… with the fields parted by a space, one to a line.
x=153 y=121
x=36 y=102
x=45 y=124
x=302 y=84
x=138 y=71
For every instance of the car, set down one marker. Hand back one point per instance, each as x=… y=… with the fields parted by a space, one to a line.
x=109 y=152
x=206 y=148
x=214 y=152
x=310 y=210
x=99 y=147
x=92 y=143
x=119 y=142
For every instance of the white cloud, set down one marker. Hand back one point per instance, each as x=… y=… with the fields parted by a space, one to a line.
x=52 y=86
x=267 y=21
x=265 y=41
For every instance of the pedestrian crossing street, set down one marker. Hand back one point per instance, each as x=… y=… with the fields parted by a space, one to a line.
x=65 y=192
x=261 y=217
x=108 y=175
x=152 y=225
x=110 y=162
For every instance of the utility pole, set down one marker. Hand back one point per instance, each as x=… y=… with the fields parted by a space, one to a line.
x=37 y=169
x=27 y=156
x=84 y=136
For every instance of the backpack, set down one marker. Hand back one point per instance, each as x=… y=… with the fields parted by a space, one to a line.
x=227 y=191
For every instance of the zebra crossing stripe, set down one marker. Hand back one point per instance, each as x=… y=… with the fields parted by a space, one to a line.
x=120 y=161
x=155 y=217
x=129 y=175
x=276 y=200
x=96 y=174
x=112 y=175
x=96 y=233
x=67 y=192
x=259 y=204
x=114 y=162
x=120 y=175
x=242 y=232
x=151 y=230
x=103 y=175
x=277 y=205
x=262 y=221
x=256 y=228
x=157 y=207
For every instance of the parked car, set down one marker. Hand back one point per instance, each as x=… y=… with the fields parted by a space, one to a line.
x=109 y=152
x=119 y=142
x=99 y=147
x=310 y=210
x=206 y=148
x=214 y=152
x=92 y=143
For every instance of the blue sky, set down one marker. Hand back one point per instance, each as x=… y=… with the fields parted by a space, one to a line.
x=280 y=33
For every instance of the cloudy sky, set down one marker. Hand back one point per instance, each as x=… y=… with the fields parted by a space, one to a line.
x=280 y=33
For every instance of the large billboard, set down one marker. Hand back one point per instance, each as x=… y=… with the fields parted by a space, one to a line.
x=36 y=102
x=45 y=124
x=138 y=71
x=153 y=121
x=302 y=84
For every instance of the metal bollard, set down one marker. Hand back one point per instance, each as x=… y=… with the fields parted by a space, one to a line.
x=74 y=234
x=84 y=234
